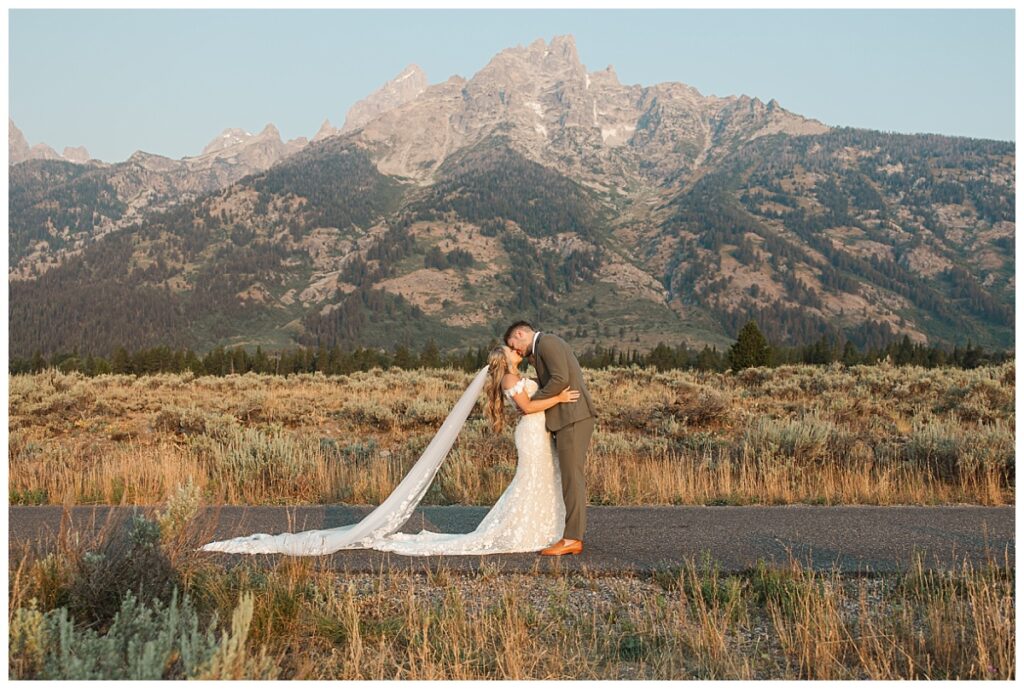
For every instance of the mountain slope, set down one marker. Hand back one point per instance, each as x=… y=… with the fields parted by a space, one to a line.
x=614 y=215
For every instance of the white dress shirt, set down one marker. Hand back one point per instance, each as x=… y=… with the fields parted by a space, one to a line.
x=533 y=345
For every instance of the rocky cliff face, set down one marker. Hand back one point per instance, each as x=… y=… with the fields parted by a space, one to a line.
x=583 y=123
x=17 y=145
x=236 y=153
x=19 y=150
x=77 y=154
x=410 y=83
x=326 y=130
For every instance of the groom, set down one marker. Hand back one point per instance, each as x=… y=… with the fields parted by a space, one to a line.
x=571 y=424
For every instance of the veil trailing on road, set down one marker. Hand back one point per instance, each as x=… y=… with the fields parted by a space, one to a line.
x=388 y=517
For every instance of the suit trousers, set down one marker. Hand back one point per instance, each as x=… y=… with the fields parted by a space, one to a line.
x=571 y=443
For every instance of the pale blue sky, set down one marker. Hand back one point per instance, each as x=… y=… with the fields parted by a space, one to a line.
x=168 y=81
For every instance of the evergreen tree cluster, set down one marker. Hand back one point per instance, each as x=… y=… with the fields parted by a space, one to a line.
x=456 y=258
x=68 y=197
x=342 y=185
x=493 y=181
x=750 y=349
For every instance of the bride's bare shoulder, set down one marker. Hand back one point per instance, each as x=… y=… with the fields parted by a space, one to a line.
x=508 y=380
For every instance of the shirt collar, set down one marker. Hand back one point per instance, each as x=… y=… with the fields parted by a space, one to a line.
x=533 y=345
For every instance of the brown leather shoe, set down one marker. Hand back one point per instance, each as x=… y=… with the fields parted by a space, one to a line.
x=566 y=546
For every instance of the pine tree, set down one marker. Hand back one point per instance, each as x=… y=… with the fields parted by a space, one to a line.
x=239 y=361
x=121 y=362
x=905 y=352
x=750 y=349
x=403 y=358
x=260 y=363
x=850 y=354
x=430 y=357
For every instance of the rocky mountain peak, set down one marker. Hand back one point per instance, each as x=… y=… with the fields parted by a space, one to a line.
x=270 y=131
x=227 y=139
x=409 y=83
x=587 y=124
x=43 y=151
x=326 y=130
x=414 y=72
x=539 y=60
x=564 y=48
x=18 y=149
x=238 y=152
x=78 y=154
x=17 y=145
x=234 y=137
x=605 y=77
x=153 y=162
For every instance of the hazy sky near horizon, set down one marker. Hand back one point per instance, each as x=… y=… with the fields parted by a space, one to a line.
x=168 y=81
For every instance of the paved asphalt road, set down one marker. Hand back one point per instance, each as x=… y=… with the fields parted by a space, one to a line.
x=856 y=539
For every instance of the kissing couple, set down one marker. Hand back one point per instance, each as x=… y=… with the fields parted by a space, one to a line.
x=544 y=506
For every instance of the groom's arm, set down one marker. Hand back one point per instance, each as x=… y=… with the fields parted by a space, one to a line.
x=556 y=359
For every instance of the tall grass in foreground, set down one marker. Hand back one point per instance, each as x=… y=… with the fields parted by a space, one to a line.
x=75 y=611
x=867 y=434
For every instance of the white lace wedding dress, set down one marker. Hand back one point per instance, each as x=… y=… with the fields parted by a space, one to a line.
x=529 y=515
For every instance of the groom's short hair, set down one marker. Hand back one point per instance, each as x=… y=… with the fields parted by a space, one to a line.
x=512 y=328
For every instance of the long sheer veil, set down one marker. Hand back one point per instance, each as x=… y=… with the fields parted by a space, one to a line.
x=385 y=519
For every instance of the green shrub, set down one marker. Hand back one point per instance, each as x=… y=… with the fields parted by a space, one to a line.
x=181 y=507
x=192 y=421
x=802 y=440
x=158 y=642
x=126 y=560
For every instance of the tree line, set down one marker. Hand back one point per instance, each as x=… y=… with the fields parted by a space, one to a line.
x=750 y=349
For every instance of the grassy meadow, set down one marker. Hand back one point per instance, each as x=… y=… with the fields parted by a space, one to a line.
x=792 y=434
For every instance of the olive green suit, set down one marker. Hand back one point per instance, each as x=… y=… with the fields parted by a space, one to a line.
x=572 y=423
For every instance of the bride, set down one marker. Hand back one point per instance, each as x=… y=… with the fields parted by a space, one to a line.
x=528 y=516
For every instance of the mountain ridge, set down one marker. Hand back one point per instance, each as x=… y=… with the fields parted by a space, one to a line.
x=536 y=188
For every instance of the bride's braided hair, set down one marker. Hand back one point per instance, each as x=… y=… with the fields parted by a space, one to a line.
x=497 y=366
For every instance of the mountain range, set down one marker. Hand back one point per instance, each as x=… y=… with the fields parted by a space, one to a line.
x=614 y=214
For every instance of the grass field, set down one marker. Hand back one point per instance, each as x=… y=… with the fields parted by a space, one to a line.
x=793 y=434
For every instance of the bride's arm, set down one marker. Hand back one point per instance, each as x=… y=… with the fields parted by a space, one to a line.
x=529 y=406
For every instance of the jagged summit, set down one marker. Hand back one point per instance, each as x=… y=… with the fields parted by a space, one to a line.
x=18 y=149
x=76 y=154
x=326 y=130
x=537 y=60
x=227 y=139
x=557 y=113
x=604 y=77
x=407 y=85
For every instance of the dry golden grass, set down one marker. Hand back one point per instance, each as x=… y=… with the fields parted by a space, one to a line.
x=694 y=622
x=868 y=434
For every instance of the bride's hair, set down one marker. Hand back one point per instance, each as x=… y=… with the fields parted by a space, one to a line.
x=497 y=367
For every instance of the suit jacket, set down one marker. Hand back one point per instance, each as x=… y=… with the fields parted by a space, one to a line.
x=558 y=369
